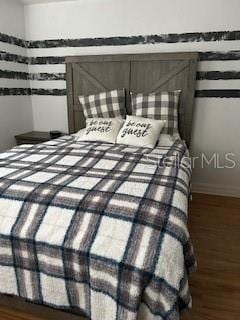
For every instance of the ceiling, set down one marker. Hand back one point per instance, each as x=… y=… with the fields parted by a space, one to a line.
x=41 y=1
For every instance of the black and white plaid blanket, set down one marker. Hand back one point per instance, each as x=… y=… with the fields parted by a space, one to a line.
x=98 y=227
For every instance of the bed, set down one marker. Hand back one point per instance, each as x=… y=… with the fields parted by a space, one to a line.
x=96 y=229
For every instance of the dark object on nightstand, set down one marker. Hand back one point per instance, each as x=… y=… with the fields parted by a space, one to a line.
x=33 y=137
x=54 y=134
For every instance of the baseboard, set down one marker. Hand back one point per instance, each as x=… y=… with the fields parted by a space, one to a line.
x=216 y=189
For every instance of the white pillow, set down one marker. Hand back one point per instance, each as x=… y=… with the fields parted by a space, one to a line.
x=101 y=129
x=166 y=140
x=140 y=132
x=79 y=133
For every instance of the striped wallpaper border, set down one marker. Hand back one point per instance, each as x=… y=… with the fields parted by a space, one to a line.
x=220 y=55
x=218 y=75
x=15 y=91
x=10 y=57
x=30 y=92
x=61 y=76
x=217 y=93
x=115 y=41
x=204 y=56
x=130 y=40
x=124 y=40
x=16 y=75
x=46 y=60
x=13 y=40
x=7 y=74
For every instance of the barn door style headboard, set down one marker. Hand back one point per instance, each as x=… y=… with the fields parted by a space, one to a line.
x=139 y=73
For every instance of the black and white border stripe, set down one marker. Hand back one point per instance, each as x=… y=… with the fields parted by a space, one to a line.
x=148 y=39
x=10 y=57
x=6 y=74
x=113 y=41
x=204 y=56
x=118 y=41
x=223 y=93
x=31 y=92
x=220 y=56
x=218 y=75
x=13 y=40
x=234 y=93
x=201 y=75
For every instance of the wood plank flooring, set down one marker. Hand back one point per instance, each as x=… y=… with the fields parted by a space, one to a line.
x=214 y=224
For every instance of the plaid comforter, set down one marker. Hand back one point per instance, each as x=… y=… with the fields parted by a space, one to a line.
x=98 y=227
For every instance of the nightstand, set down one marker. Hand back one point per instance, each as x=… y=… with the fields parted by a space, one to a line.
x=33 y=137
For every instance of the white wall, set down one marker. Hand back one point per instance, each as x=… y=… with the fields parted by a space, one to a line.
x=12 y=18
x=216 y=121
x=80 y=19
x=15 y=111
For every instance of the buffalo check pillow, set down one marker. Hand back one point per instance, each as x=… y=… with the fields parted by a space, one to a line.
x=159 y=106
x=99 y=129
x=140 y=132
x=110 y=104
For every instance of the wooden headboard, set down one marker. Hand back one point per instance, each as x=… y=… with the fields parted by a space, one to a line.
x=152 y=72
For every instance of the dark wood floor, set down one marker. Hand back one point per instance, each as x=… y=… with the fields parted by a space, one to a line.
x=214 y=224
